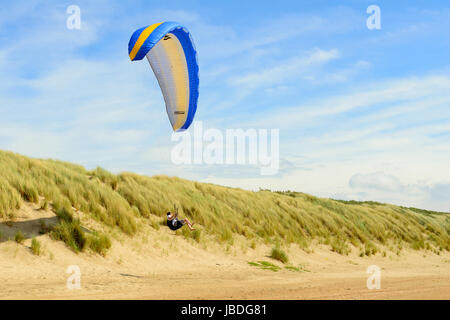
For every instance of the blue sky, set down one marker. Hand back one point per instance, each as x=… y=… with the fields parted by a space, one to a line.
x=363 y=114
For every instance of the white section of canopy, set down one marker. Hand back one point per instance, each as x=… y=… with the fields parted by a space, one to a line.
x=168 y=62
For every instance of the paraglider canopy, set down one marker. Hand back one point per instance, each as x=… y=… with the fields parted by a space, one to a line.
x=170 y=50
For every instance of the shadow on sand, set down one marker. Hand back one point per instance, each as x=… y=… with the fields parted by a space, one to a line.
x=28 y=228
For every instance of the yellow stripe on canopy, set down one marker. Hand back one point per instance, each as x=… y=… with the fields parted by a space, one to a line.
x=142 y=37
x=180 y=75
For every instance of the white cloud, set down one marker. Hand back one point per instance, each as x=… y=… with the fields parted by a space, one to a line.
x=387 y=187
x=364 y=96
x=340 y=75
x=285 y=70
x=377 y=181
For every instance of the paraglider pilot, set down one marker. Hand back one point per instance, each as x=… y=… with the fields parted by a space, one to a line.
x=174 y=223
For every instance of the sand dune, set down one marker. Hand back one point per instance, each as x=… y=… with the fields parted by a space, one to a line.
x=160 y=265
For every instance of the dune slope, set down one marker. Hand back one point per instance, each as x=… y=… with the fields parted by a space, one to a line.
x=111 y=226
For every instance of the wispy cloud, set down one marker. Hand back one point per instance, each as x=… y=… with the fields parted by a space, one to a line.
x=285 y=70
x=387 y=187
x=363 y=96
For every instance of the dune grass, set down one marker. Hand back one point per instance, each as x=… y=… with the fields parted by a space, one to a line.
x=278 y=254
x=19 y=237
x=70 y=231
x=99 y=243
x=126 y=200
x=35 y=247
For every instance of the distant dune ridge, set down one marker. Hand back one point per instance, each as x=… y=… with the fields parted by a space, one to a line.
x=125 y=201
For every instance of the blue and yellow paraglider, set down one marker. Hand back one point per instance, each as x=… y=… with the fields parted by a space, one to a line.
x=171 y=53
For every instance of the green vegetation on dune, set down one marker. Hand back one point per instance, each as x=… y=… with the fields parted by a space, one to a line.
x=279 y=255
x=126 y=200
x=19 y=237
x=265 y=265
x=35 y=247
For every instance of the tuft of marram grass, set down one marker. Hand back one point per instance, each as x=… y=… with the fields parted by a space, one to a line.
x=44 y=205
x=99 y=243
x=35 y=247
x=340 y=246
x=19 y=237
x=278 y=254
x=69 y=230
x=71 y=234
